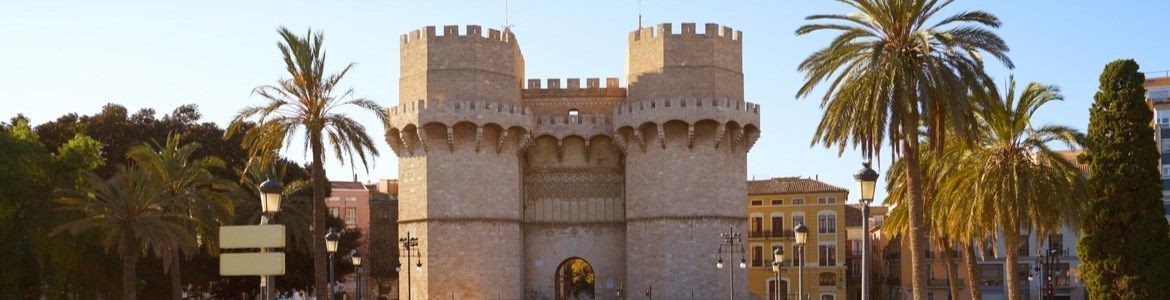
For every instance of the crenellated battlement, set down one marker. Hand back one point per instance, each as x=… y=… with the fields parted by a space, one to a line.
x=677 y=104
x=573 y=88
x=451 y=32
x=688 y=30
x=456 y=106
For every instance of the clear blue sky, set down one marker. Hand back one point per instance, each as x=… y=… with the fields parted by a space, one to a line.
x=75 y=56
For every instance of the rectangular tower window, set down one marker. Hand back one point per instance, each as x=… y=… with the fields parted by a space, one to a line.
x=351 y=215
x=334 y=212
x=797 y=201
x=777 y=201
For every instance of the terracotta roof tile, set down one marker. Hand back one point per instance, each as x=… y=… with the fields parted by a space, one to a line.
x=790 y=185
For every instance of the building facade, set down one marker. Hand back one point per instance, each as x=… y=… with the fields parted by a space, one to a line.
x=1158 y=93
x=854 y=247
x=895 y=268
x=381 y=273
x=775 y=206
x=893 y=264
x=510 y=184
x=350 y=201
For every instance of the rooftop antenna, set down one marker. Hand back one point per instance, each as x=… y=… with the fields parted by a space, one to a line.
x=506 y=24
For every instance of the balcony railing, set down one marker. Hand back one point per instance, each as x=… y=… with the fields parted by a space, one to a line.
x=939 y=282
x=771 y=234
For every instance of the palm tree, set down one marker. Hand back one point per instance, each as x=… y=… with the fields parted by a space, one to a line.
x=131 y=216
x=948 y=224
x=192 y=191
x=891 y=75
x=1010 y=180
x=306 y=106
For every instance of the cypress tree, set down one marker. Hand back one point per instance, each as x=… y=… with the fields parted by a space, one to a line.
x=1125 y=248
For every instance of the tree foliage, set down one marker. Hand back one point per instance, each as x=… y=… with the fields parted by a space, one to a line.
x=306 y=107
x=131 y=216
x=1123 y=248
x=57 y=154
x=896 y=72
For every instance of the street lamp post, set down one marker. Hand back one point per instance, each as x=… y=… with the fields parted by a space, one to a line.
x=270 y=193
x=731 y=239
x=408 y=243
x=1047 y=274
x=801 y=238
x=777 y=260
x=356 y=258
x=866 y=183
x=331 y=239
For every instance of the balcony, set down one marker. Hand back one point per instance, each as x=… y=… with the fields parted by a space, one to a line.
x=939 y=282
x=771 y=234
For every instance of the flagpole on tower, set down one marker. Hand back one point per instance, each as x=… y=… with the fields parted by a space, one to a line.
x=639 y=14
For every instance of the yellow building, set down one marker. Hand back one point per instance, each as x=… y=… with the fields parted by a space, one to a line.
x=775 y=206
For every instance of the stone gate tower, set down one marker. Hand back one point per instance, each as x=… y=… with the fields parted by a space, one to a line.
x=509 y=185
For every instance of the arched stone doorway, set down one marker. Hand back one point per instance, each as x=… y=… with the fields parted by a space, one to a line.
x=575 y=280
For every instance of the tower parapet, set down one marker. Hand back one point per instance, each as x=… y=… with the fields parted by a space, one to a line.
x=458 y=65
x=662 y=63
x=572 y=88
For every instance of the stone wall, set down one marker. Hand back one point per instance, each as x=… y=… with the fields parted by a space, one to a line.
x=546 y=246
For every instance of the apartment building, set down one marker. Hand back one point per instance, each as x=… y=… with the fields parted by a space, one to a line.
x=775 y=206
x=1158 y=93
x=855 y=232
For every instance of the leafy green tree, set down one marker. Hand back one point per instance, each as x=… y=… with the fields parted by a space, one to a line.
x=192 y=190
x=1123 y=249
x=306 y=106
x=130 y=213
x=895 y=73
x=37 y=264
x=24 y=162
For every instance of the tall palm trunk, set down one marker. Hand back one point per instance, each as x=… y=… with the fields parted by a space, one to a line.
x=918 y=242
x=129 y=263
x=317 y=229
x=176 y=280
x=952 y=269
x=1011 y=238
x=971 y=271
